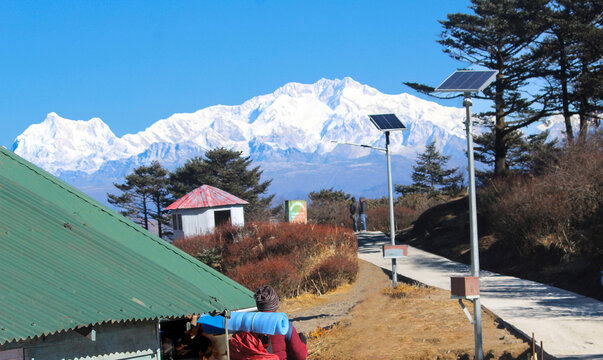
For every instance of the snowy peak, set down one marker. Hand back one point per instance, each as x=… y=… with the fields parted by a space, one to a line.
x=57 y=127
x=62 y=143
x=327 y=91
x=295 y=119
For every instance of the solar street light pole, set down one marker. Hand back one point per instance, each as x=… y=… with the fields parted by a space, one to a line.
x=390 y=194
x=392 y=232
x=468 y=81
x=477 y=311
x=387 y=123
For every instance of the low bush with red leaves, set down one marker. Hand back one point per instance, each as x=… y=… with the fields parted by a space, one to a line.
x=293 y=258
x=331 y=272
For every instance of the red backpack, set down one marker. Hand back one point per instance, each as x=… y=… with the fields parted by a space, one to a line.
x=245 y=345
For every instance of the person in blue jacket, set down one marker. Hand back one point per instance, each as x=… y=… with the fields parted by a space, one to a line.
x=362 y=211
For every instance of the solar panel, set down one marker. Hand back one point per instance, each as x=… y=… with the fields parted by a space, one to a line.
x=467 y=81
x=387 y=122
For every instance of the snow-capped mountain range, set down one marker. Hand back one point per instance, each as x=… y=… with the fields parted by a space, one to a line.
x=289 y=133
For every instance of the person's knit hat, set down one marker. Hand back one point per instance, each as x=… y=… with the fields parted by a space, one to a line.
x=266 y=299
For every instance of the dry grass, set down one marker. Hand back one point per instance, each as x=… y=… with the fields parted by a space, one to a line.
x=405 y=290
x=308 y=300
x=410 y=322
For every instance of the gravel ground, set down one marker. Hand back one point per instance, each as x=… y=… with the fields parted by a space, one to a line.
x=312 y=312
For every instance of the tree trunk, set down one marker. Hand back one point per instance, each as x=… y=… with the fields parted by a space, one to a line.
x=159 y=226
x=583 y=111
x=583 y=126
x=145 y=213
x=500 y=149
x=564 y=94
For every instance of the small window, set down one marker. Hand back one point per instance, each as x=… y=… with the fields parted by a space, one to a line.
x=177 y=221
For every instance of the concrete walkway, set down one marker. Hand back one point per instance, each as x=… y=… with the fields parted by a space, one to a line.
x=569 y=325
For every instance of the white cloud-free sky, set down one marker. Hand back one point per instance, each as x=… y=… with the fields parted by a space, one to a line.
x=132 y=63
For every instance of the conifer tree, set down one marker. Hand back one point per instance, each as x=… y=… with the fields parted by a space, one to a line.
x=430 y=175
x=569 y=58
x=144 y=195
x=328 y=207
x=498 y=36
x=588 y=21
x=227 y=170
x=328 y=195
x=525 y=155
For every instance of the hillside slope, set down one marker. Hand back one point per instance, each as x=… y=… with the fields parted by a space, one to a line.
x=444 y=230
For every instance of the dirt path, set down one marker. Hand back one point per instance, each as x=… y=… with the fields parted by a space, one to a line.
x=310 y=312
x=423 y=323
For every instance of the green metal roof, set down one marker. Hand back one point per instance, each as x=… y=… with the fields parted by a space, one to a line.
x=66 y=261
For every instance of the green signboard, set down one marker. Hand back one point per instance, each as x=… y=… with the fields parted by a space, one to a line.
x=296 y=211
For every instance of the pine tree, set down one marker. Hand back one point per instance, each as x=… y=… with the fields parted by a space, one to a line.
x=526 y=155
x=589 y=84
x=498 y=36
x=227 y=170
x=329 y=195
x=430 y=175
x=569 y=58
x=485 y=153
x=144 y=195
x=328 y=207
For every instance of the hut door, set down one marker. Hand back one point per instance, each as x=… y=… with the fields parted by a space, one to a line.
x=222 y=217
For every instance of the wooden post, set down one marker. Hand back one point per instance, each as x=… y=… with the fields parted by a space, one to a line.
x=541 y=351
x=533 y=347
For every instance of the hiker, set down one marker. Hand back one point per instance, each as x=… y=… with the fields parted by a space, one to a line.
x=354 y=213
x=286 y=347
x=362 y=211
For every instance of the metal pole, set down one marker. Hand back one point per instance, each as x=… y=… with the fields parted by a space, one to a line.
x=159 y=351
x=392 y=232
x=477 y=311
x=226 y=334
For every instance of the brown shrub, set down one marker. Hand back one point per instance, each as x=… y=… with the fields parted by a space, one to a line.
x=559 y=210
x=277 y=272
x=334 y=213
x=421 y=202
x=208 y=249
x=406 y=210
x=249 y=249
x=335 y=270
x=377 y=219
x=276 y=254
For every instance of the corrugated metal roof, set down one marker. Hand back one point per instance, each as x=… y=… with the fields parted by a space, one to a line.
x=206 y=196
x=66 y=261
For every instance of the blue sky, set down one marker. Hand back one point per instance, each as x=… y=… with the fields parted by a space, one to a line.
x=132 y=63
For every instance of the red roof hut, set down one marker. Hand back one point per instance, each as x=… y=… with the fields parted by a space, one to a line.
x=204 y=208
